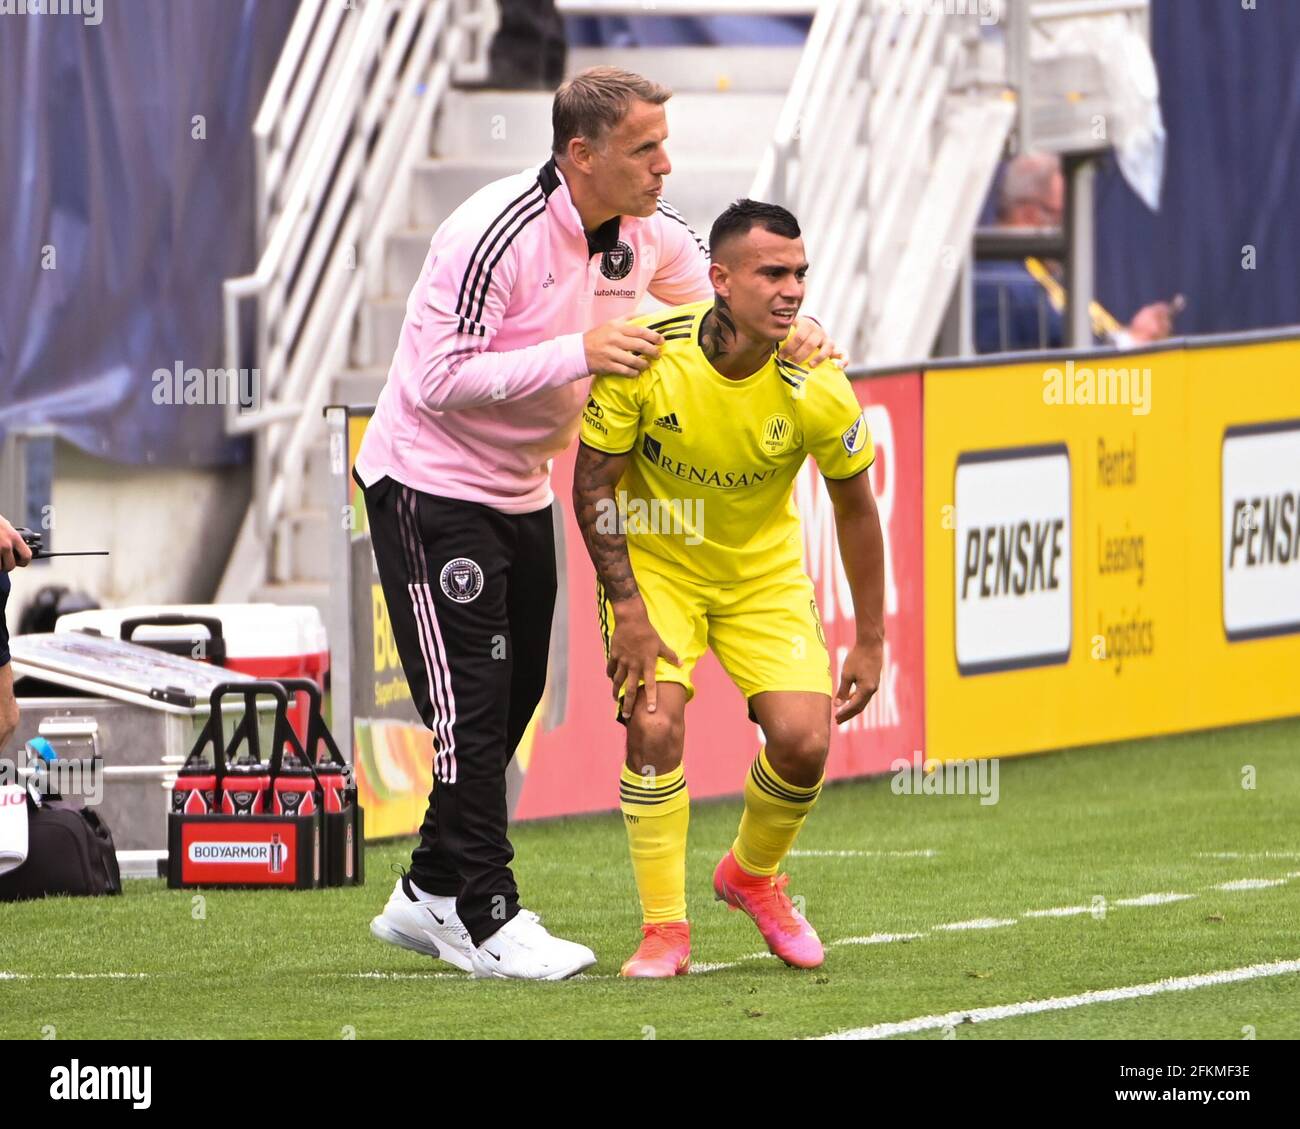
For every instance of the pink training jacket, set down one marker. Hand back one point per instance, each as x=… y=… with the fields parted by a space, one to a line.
x=490 y=374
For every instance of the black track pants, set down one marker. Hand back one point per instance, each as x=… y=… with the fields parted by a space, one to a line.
x=470 y=593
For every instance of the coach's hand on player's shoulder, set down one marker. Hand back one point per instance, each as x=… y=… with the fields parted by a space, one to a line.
x=14 y=552
x=621 y=348
x=859 y=679
x=809 y=345
x=633 y=650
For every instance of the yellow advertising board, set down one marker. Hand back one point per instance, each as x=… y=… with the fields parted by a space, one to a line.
x=393 y=749
x=1056 y=579
x=1112 y=546
x=1243 y=539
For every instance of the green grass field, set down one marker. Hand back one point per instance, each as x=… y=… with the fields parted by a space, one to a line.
x=1167 y=816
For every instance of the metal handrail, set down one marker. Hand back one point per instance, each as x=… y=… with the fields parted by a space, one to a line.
x=856 y=126
x=332 y=148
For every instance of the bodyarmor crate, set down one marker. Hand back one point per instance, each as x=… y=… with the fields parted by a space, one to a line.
x=240 y=822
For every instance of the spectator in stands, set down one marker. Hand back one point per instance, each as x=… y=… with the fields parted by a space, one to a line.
x=14 y=553
x=1020 y=305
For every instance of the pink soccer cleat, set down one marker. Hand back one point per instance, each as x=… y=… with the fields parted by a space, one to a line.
x=665 y=950
x=784 y=928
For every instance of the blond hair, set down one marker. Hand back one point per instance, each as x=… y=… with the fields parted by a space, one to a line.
x=592 y=103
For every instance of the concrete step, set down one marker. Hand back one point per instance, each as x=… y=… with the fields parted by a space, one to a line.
x=685 y=69
x=500 y=125
x=381 y=325
x=357 y=387
x=404 y=253
x=318 y=484
x=310 y=544
x=699 y=188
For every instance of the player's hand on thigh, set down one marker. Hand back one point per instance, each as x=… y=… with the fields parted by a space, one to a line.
x=859 y=680
x=634 y=648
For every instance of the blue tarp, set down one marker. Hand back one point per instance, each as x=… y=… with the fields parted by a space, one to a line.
x=119 y=224
x=1230 y=94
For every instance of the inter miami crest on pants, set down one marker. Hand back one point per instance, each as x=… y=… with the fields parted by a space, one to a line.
x=462 y=580
x=617 y=263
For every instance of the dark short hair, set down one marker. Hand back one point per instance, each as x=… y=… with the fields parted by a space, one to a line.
x=592 y=103
x=743 y=215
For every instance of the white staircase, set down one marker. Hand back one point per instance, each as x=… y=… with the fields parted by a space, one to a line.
x=886 y=146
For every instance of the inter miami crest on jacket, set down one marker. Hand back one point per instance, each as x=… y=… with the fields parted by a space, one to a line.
x=617 y=262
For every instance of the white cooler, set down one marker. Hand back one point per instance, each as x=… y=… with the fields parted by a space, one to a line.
x=262 y=640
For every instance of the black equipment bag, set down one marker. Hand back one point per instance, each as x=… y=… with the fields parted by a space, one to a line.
x=69 y=851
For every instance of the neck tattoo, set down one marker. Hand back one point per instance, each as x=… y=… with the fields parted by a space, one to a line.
x=718 y=331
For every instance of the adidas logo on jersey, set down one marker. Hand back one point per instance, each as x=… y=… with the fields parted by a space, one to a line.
x=669 y=422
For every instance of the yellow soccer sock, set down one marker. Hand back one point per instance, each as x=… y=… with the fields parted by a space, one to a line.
x=774 y=813
x=656 y=811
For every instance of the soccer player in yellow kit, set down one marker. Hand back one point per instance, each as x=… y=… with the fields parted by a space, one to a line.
x=683 y=491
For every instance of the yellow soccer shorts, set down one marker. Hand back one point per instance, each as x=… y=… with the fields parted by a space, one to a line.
x=766 y=632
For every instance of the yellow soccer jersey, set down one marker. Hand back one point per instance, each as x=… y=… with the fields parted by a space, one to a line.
x=708 y=488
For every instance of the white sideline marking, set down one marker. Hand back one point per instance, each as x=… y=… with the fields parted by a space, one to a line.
x=926 y=854
x=396 y=975
x=1064 y=1003
x=1153 y=899
x=1249 y=855
x=705 y=966
x=978 y=923
x=74 y=975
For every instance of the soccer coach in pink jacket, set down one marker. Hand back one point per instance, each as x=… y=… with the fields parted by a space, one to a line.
x=525 y=292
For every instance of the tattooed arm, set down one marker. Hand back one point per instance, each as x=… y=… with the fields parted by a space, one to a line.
x=595 y=474
x=635 y=644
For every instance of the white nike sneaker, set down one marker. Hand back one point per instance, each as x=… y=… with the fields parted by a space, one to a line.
x=424 y=925
x=523 y=950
